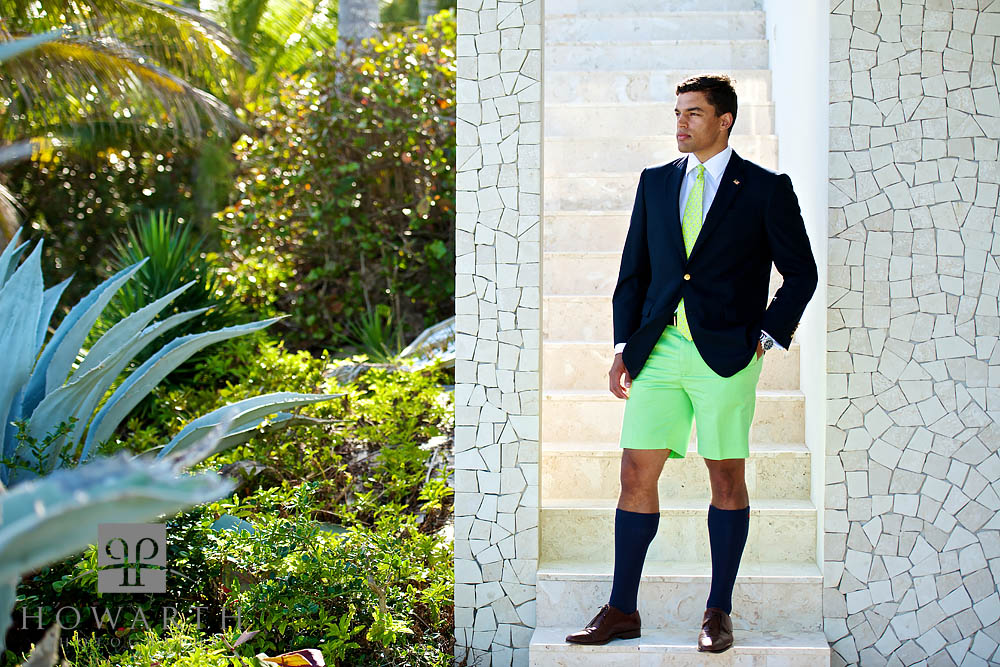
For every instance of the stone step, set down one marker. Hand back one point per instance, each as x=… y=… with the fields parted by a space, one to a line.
x=780 y=531
x=565 y=155
x=676 y=647
x=578 y=7
x=596 y=417
x=617 y=26
x=585 y=318
x=637 y=86
x=585 y=231
x=708 y=54
x=777 y=597
x=594 y=273
x=581 y=472
x=585 y=365
x=629 y=119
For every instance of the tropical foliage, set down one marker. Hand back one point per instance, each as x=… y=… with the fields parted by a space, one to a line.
x=176 y=258
x=117 y=67
x=346 y=196
x=40 y=386
x=327 y=528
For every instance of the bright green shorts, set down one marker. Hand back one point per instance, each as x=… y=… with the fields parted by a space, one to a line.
x=675 y=386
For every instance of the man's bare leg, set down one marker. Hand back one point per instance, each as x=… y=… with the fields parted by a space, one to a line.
x=636 y=519
x=728 y=526
x=640 y=474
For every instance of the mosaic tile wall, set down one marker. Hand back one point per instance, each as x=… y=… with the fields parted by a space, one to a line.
x=912 y=530
x=497 y=328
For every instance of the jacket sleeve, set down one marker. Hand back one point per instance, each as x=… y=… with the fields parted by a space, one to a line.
x=634 y=273
x=793 y=257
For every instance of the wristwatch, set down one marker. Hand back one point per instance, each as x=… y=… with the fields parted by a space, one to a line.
x=766 y=341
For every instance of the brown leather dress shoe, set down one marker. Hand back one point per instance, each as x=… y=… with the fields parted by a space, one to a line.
x=716 y=633
x=610 y=623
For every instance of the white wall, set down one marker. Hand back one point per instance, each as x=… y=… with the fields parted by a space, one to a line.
x=798 y=36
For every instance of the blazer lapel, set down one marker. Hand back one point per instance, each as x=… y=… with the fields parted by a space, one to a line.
x=729 y=186
x=675 y=177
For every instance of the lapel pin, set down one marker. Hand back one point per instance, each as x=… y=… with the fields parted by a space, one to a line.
x=736 y=181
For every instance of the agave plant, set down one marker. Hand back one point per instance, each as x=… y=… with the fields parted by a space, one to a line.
x=43 y=385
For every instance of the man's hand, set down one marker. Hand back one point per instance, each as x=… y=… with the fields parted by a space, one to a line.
x=618 y=371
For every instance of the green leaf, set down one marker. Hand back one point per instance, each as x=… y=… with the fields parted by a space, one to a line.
x=61 y=351
x=148 y=375
x=249 y=410
x=16 y=47
x=20 y=309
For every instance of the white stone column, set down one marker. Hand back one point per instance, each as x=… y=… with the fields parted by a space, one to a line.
x=497 y=328
x=913 y=473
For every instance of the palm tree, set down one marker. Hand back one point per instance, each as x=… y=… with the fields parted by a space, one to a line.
x=117 y=72
x=115 y=66
x=97 y=72
x=282 y=35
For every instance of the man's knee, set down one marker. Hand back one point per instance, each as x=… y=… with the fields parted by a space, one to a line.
x=728 y=475
x=641 y=472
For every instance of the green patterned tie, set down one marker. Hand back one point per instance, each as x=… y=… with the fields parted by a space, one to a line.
x=690 y=226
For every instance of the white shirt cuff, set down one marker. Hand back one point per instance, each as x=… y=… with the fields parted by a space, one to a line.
x=619 y=347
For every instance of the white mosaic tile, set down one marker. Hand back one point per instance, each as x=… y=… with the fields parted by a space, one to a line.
x=905 y=431
x=497 y=328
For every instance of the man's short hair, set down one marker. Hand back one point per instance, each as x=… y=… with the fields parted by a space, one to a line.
x=718 y=88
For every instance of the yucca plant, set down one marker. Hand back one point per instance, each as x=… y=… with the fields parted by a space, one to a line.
x=175 y=260
x=43 y=385
x=376 y=334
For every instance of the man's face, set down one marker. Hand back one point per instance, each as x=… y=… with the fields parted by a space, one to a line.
x=698 y=127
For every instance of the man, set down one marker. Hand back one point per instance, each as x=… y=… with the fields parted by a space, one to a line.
x=691 y=325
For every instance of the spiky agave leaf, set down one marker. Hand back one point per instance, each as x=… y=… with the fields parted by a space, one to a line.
x=45 y=520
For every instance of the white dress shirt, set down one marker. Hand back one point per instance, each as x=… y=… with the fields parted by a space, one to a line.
x=715 y=166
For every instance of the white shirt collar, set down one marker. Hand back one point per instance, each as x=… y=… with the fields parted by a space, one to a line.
x=715 y=165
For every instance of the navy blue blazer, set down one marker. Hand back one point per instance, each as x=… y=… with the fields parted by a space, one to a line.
x=754 y=220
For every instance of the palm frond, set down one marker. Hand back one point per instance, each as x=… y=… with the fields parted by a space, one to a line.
x=103 y=79
x=167 y=33
x=14 y=48
x=285 y=34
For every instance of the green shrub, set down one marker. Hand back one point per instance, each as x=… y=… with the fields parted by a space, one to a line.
x=346 y=194
x=182 y=645
x=362 y=596
x=372 y=448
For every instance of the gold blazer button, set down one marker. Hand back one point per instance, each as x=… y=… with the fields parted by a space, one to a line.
x=687 y=276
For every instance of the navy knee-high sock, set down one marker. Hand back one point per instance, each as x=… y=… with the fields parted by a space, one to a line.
x=727 y=535
x=633 y=533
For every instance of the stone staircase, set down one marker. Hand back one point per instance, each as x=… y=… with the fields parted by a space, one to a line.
x=610 y=69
